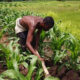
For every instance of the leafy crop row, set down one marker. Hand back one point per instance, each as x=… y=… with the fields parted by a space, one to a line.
x=12 y=53
x=66 y=48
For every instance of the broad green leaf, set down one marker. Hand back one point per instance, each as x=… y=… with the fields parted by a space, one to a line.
x=25 y=64
x=39 y=74
x=31 y=67
x=9 y=73
x=1 y=78
x=51 y=78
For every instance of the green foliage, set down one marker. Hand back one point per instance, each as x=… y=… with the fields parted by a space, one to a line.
x=11 y=54
x=68 y=12
x=8 y=19
x=39 y=74
x=65 y=45
x=31 y=67
x=14 y=58
x=51 y=78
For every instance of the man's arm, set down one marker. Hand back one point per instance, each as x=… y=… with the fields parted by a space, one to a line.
x=28 y=43
x=37 y=38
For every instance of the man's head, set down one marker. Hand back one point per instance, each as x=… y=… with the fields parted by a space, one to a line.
x=48 y=23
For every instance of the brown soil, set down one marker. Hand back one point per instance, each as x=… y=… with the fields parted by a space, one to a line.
x=4 y=39
x=64 y=74
x=71 y=75
x=2 y=68
x=23 y=70
x=54 y=70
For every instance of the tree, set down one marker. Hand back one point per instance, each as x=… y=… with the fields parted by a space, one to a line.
x=8 y=0
x=59 y=0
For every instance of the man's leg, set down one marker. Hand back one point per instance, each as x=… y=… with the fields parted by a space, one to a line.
x=22 y=40
x=33 y=43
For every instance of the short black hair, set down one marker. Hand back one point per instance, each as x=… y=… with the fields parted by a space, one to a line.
x=49 y=21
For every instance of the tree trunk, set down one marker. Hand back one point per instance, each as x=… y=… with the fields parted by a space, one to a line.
x=59 y=0
x=8 y=0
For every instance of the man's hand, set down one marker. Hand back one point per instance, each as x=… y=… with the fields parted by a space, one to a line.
x=41 y=59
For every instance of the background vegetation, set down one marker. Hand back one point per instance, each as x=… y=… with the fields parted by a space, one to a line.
x=67 y=12
x=38 y=0
x=65 y=47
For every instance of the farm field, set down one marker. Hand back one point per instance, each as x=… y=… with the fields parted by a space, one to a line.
x=60 y=46
x=66 y=11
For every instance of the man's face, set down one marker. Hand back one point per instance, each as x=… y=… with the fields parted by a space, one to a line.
x=46 y=28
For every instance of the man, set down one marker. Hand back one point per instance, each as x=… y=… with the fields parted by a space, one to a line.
x=27 y=26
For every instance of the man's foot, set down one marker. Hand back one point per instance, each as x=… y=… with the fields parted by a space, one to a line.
x=47 y=75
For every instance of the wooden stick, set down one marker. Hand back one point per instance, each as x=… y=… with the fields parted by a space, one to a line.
x=44 y=67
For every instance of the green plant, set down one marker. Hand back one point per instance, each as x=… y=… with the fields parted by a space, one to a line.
x=51 y=78
x=65 y=45
x=14 y=58
x=11 y=52
x=15 y=74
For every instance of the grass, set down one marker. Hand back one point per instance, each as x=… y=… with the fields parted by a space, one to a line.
x=68 y=12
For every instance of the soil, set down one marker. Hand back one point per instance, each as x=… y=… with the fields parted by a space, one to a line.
x=4 y=39
x=23 y=70
x=64 y=73
x=2 y=68
x=54 y=70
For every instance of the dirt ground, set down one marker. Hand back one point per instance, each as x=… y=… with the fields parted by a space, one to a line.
x=63 y=73
x=2 y=68
x=54 y=70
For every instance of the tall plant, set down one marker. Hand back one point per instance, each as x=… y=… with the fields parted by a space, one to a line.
x=65 y=45
x=14 y=58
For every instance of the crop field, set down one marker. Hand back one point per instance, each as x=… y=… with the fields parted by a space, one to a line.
x=68 y=12
x=60 y=46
